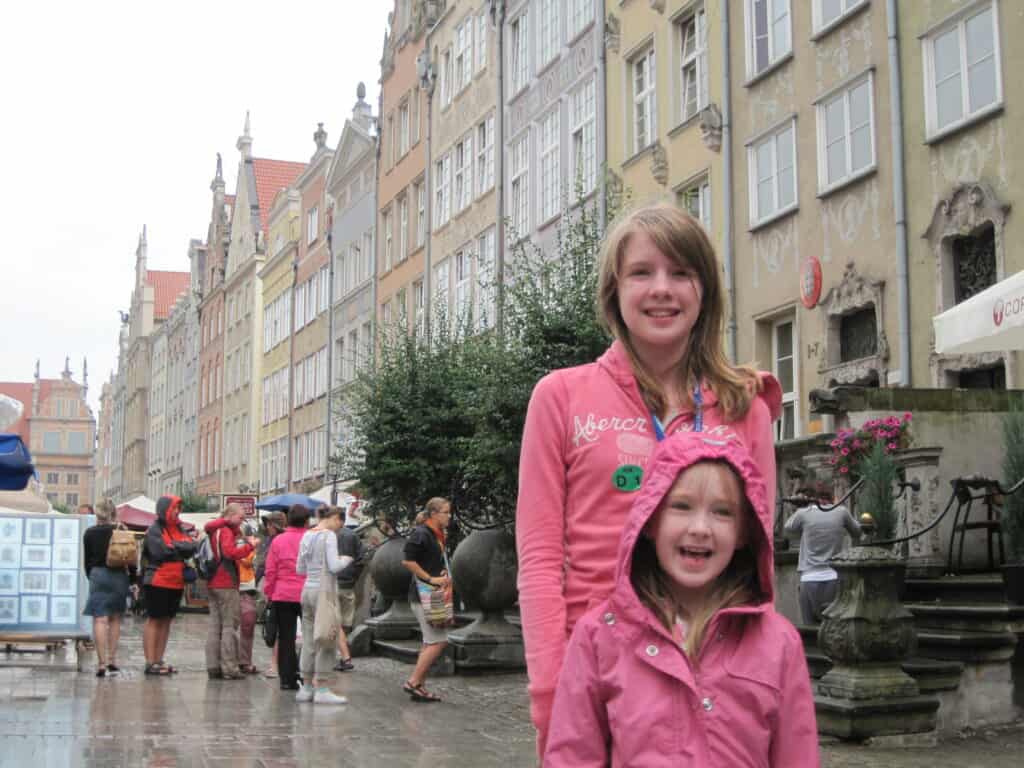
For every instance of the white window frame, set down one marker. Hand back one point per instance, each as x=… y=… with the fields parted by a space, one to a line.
x=442 y=287
x=698 y=190
x=485 y=289
x=583 y=138
x=696 y=62
x=959 y=22
x=644 y=99
x=820 y=25
x=403 y=128
x=519 y=53
x=777 y=12
x=463 y=263
x=414 y=117
x=788 y=398
x=388 y=240
x=843 y=95
x=443 y=190
x=548 y=39
x=447 y=74
x=403 y=228
x=421 y=212
x=773 y=136
x=548 y=154
x=519 y=185
x=463 y=61
x=418 y=308
x=480 y=57
x=485 y=155
x=462 y=173
x=580 y=15
x=312 y=223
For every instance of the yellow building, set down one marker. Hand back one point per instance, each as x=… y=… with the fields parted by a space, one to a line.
x=277 y=278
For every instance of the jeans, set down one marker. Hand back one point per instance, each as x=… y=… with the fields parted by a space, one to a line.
x=315 y=662
x=222 y=635
x=247 y=628
x=287 y=615
x=815 y=597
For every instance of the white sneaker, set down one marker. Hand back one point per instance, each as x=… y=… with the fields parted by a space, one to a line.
x=327 y=696
x=305 y=693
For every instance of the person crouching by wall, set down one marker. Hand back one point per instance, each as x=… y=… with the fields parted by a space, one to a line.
x=108 y=588
x=166 y=549
x=225 y=601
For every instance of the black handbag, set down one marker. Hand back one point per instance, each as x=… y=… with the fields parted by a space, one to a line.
x=269 y=624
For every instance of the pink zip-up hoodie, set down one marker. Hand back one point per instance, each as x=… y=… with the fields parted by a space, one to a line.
x=582 y=425
x=280 y=581
x=629 y=696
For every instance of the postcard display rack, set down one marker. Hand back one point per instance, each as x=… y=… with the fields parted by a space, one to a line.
x=43 y=588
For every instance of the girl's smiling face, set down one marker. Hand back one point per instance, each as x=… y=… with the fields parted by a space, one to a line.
x=660 y=299
x=697 y=528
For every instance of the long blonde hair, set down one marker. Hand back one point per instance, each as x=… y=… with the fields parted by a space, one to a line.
x=736 y=585
x=681 y=238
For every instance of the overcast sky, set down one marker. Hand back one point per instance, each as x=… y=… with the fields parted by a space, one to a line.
x=113 y=115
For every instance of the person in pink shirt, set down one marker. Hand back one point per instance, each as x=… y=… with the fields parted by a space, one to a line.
x=283 y=586
x=687 y=662
x=590 y=430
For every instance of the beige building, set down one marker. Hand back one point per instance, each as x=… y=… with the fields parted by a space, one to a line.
x=102 y=458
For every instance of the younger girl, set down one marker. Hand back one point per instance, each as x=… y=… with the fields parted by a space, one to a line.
x=687 y=662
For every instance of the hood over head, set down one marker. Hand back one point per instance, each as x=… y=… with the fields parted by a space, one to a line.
x=168 y=510
x=676 y=453
x=216 y=523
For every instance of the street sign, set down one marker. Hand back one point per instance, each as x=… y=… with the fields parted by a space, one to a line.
x=246 y=500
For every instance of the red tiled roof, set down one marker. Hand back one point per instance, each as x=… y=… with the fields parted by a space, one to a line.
x=21 y=391
x=271 y=177
x=167 y=287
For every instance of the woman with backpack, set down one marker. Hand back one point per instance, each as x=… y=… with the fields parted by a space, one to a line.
x=108 y=589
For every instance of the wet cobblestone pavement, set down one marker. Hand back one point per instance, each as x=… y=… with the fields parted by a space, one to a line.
x=54 y=716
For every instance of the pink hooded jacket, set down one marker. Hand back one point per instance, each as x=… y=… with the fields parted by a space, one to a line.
x=584 y=423
x=629 y=696
x=280 y=581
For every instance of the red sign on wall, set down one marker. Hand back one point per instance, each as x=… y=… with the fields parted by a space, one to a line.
x=810 y=282
x=246 y=501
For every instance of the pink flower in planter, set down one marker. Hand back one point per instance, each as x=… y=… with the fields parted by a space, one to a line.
x=892 y=446
x=845 y=451
x=844 y=470
x=907 y=416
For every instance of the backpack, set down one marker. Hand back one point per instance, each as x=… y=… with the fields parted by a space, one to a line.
x=121 y=551
x=207 y=559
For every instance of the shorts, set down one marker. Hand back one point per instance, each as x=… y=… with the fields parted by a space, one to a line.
x=162 y=603
x=347 y=606
x=431 y=634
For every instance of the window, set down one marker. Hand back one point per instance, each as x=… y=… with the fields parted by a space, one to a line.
x=52 y=478
x=421 y=213
x=485 y=296
x=768 y=37
x=481 y=41
x=519 y=66
x=71 y=499
x=962 y=76
x=339 y=355
x=581 y=13
x=51 y=442
x=463 y=54
x=371 y=256
x=772 y=169
x=441 y=290
x=783 y=367
x=72 y=478
x=311 y=224
x=694 y=36
x=386 y=226
x=414 y=116
x=403 y=128
x=418 y=308
x=519 y=209
x=76 y=442
x=352 y=362
x=463 y=288
x=463 y=173
x=485 y=155
x=827 y=12
x=446 y=78
x=385 y=310
x=858 y=334
x=325 y=299
x=696 y=199
x=644 y=114
x=390 y=142
x=846 y=134
x=443 y=191
x=974 y=263
x=583 y=140
x=550 y=180
x=547 y=29
x=300 y=306
x=403 y=228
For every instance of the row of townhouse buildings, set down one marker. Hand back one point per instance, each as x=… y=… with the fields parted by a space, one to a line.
x=851 y=160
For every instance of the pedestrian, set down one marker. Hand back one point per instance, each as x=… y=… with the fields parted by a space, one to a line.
x=687 y=661
x=350 y=545
x=319 y=560
x=248 y=598
x=273 y=524
x=283 y=587
x=108 y=588
x=166 y=548
x=590 y=429
x=822 y=536
x=224 y=597
x=425 y=558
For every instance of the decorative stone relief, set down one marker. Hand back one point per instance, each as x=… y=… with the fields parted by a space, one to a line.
x=773 y=244
x=612 y=33
x=711 y=127
x=919 y=508
x=854 y=292
x=968 y=208
x=658 y=5
x=659 y=163
x=847 y=216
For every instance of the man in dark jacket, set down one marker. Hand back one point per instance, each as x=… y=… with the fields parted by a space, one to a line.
x=348 y=544
x=225 y=602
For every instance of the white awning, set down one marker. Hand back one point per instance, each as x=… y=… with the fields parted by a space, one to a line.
x=991 y=321
x=144 y=503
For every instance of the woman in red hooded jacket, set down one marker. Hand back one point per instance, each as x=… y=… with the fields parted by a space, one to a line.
x=166 y=548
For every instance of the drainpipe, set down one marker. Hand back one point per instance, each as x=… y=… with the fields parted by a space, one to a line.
x=727 y=213
x=899 y=190
x=330 y=347
x=602 y=135
x=498 y=17
x=427 y=83
x=291 y=370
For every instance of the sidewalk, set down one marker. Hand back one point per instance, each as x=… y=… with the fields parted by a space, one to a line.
x=60 y=718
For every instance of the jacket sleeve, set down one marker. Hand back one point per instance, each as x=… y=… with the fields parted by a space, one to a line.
x=157 y=550
x=540 y=531
x=229 y=549
x=579 y=734
x=270 y=572
x=795 y=736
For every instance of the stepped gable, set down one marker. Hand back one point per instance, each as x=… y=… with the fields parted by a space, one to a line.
x=167 y=287
x=271 y=177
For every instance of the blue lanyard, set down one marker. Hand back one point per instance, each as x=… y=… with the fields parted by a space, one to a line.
x=698 y=415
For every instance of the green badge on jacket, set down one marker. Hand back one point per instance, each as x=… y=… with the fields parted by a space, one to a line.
x=627 y=478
